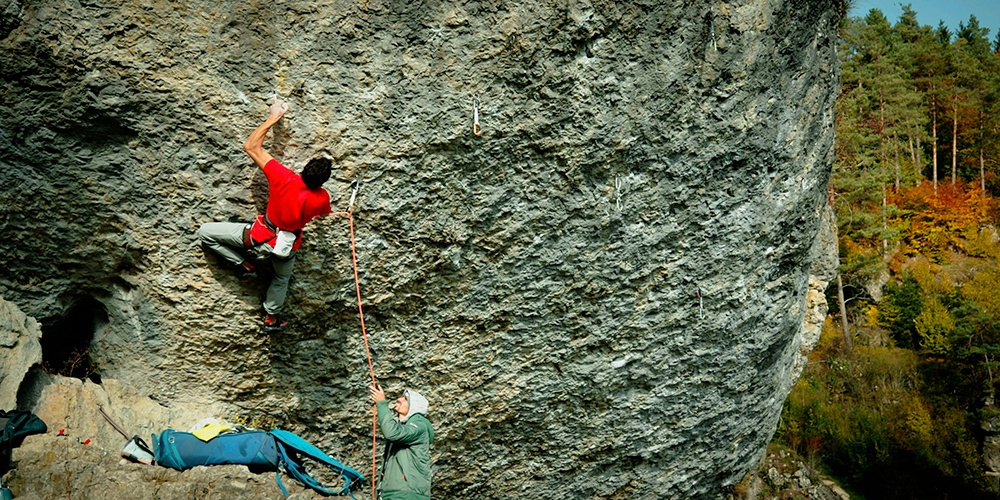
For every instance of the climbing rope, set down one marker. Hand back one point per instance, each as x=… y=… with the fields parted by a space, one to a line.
x=356 y=186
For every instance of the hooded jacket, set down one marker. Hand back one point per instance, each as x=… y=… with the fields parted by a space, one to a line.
x=406 y=464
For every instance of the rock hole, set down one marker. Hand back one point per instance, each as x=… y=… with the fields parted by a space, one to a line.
x=66 y=340
x=30 y=390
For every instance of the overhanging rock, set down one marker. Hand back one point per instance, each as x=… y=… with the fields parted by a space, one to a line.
x=539 y=283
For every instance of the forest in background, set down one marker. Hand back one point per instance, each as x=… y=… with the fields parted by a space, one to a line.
x=898 y=399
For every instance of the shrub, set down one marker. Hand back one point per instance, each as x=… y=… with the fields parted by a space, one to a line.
x=901 y=304
x=862 y=416
x=935 y=326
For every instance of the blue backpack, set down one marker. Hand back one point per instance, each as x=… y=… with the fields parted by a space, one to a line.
x=260 y=451
x=183 y=450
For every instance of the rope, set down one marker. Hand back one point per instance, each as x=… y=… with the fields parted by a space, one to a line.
x=361 y=313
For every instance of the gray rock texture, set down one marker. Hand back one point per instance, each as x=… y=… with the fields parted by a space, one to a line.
x=782 y=474
x=825 y=265
x=991 y=444
x=19 y=351
x=539 y=282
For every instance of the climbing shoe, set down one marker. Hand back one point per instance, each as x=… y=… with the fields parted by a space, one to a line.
x=276 y=326
x=243 y=274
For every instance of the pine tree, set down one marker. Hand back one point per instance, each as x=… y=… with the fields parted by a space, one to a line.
x=917 y=116
x=979 y=65
x=873 y=113
x=929 y=68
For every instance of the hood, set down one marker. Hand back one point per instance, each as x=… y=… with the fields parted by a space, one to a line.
x=418 y=404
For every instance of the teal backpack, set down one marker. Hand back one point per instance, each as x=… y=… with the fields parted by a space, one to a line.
x=260 y=451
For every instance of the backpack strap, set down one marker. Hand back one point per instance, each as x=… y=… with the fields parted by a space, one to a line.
x=277 y=477
x=290 y=447
x=297 y=471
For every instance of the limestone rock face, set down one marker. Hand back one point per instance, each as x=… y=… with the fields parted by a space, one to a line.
x=825 y=264
x=991 y=444
x=19 y=350
x=601 y=295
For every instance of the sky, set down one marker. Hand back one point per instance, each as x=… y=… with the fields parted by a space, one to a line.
x=930 y=12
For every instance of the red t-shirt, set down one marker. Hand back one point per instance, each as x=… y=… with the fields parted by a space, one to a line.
x=290 y=204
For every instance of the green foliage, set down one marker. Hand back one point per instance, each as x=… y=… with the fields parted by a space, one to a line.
x=935 y=326
x=899 y=309
x=859 y=415
x=983 y=291
x=843 y=7
x=838 y=410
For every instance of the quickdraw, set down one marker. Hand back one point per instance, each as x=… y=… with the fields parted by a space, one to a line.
x=475 y=116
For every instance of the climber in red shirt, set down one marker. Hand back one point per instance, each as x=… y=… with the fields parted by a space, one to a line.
x=293 y=200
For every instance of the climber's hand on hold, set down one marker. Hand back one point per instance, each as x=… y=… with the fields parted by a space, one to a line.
x=278 y=108
x=254 y=145
x=377 y=393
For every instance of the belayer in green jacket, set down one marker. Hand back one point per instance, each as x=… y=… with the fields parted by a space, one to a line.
x=406 y=463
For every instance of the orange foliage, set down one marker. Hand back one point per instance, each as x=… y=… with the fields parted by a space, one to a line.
x=942 y=220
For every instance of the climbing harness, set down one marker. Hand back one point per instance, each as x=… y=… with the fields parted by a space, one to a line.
x=355 y=187
x=475 y=116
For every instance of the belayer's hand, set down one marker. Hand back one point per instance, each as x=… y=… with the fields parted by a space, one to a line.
x=377 y=393
x=278 y=108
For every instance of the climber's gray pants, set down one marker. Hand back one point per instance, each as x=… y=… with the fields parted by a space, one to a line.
x=226 y=239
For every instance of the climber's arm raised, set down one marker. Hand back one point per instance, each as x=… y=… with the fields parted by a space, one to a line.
x=254 y=144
